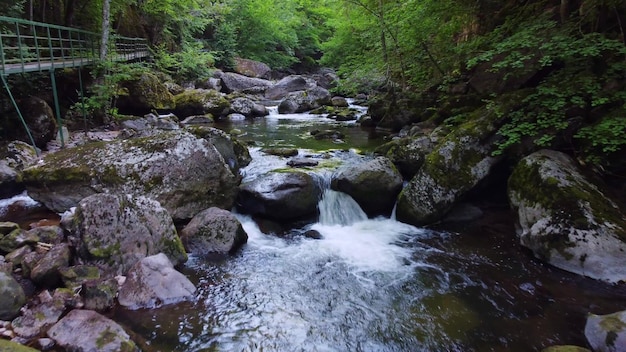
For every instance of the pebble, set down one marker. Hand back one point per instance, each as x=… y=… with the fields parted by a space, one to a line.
x=45 y=344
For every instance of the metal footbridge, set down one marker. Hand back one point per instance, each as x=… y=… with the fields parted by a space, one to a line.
x=28 y=46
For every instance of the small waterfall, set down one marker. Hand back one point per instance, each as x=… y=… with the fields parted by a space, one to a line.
x=272 y=110
x=337 y=208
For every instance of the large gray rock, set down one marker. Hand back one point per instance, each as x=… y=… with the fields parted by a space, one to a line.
x=213 y=230
x=280 y=195
x=373 y=184
x=36 y=319
x=116 y=231
x=302 y=101
x=234 y=153
x=565 y=219
x=47 y=270
x=247 y=108
x=13 y=297
x=607 y=333
x=184 y=173
x=200 y=102
x=233 y=82
x=287 y=85
x=153 y=282
x=88 y=331
x=458 y=163
x=252 y=68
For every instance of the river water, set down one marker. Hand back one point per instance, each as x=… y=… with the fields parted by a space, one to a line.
x=369 y=284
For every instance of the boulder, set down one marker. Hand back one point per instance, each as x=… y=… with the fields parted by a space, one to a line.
x=20 y=155
x=13 y=297
x=235 y=154
x=36 y=319
x=280 y=196
x=198 y=120
x=326 y=78
x=565 y=219
x=75 y=276
x=153 y=282
x=302 y=162
x=373 y=184
x=212 y=83
x=10 y=180
x=339 y=102
x=86 y=330
x=149 y=125
x=184 y=173
x=247 y=108
x=302 y=101
x=174 y=88
x=144 y=93
x=213 y=230
x=459 y=162
x=116 y=231
x=251 y=68
x=47 y=270
x=408 y=154
x=283 y=152
x=201 y=102
x=606 y=333
x=99 y=295
x=16 y=239
x=287 y=85
x=40 y=120
x=233 y=82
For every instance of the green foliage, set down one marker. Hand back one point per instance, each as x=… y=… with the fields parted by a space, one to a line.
x=189 y=64
x=605 y=138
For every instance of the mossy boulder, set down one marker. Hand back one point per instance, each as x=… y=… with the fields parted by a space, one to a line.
x=39 y=118
x=116 y=231
x=201 y=102
x=607 y=333
x=280 y=196
x=306 y=100
x=235 y=154
x=565 y=219
x=213 y=230
x=144 y=93
x=408 y=154
x=184 y=173
x=247 y=107
x=13 y=297
x=457 y=164
x=374 y=184
x=234 y=82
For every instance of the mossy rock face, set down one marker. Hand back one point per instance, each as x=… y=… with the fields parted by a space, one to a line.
x=145 y=93
x=565 y=219
x=457 y=164
x=408 y=154
x=607 y=332
x=200 y=102
x=13 y=297
x=117 y=231
x=184 y=173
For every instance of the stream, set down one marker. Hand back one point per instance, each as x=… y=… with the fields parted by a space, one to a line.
x=369 y=284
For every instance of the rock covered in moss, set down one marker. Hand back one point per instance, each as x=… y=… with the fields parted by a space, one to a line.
x=47 y=270
x=184 y=173
x=607 y=333
x=13 y=297
x=153 y=282
x=144 y=93
x=116 y=231
x=213 y=230
x=408 y=154
x=200 y=102
x=9 y=346
x=40 y=119
x=280 y=195
x=86 y=330
x=234 y=153
x=301 y=101
x=40 y=316
x=565 y=219
x=459 y=162
x=373 y=184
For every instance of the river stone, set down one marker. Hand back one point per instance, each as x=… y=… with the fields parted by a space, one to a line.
x=235 y=154
x=16 y=239
x=284 y=152
x=408 y=154
x=339 y=102
x=302 y=162
x=75 y=276
x=20 y=155
x=35 y=320
x=373 y=184
x=233 y=82
x=145 y=93
x=9 y=180
x=194 y=102
x=607 y=333
x=115 y=231
x=46 y=272
x=184 y=173
x=153 y=282
x=40 y=120
x=86 y=330
x=287 y=85
x=10 y=346
x=247 y=108
x=565 y=219
x=280 y=195
x=99 y=295
x=458 y=163
x=213 y=230
x=251 y=68
x=302 y=101
x=17 y=256
x=51 y=234
x=13 y=297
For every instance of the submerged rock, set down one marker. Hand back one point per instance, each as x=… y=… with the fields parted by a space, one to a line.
x=86 y=330
x=213 y=230
x=607 y=333
x=153 y=282
x=373 y=184
x=280 y=195
x=565 y=219
x=184 y=173
x=115 y=232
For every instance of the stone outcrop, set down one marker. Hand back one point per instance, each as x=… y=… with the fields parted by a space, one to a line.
x=153 y=282
x=184 y=173
x=116 y=231
x=565 y=219
x=373 y=184
x=213 y=230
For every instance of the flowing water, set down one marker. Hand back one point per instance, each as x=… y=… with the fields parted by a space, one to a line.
x=369 y=284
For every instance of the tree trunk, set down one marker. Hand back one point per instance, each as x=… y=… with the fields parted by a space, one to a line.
x=106 y=6
x=69 y=13
x=564 y=10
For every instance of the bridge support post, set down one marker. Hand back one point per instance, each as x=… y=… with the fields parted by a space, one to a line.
x=19 y=113
x=57 y=107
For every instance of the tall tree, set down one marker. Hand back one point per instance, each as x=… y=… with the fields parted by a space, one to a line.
x=106 y=15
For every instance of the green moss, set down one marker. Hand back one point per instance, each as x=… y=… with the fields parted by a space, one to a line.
x=9 y=346
x=174 y=248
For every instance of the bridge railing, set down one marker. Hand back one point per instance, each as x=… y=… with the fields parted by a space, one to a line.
x=27 y=46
